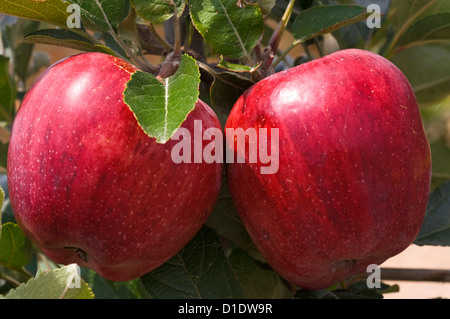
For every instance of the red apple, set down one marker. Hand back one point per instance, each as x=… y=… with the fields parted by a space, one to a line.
x=88 y=186
x=354 y=169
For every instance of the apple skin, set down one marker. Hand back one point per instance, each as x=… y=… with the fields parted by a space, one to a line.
x=88 y=186
x=354 y=167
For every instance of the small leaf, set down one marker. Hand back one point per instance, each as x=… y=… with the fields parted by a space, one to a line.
x=437 y=7
x=236 y=67
x=199 y=270
x=407 y=11
x=230 y=29
x=61 y=283
x=50 y=11
x=7 y=91
x=433 y=27
x=157 y=11
x=436 y=226
x=65 y=38
x=161 y=108
x=325 y=19
x=16 y=250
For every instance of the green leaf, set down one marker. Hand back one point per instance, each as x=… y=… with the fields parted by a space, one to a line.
x=65 y=38
x=325 y=19
x=226 y=222
x=437 y=7
x=199 y=270
x=405 y=12
x=235 y=67
x=256 y=279
x=97 y=15
x=230 y=30
x=431 y=28
x=161 y=108
x=436 y=226
x=16 y=250
x=7 y=91
x=61 y=283
x=14 y=33
x=107 y=289
x=157 y=11
x=50 y=11
x=427 y=67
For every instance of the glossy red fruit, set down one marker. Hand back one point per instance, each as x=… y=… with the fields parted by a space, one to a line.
x=88 y=186
x=354 y=167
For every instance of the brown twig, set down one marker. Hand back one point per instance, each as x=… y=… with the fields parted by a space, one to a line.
x=431 y=275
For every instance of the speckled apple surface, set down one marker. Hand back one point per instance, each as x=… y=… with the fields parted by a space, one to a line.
x=88 y=186
x=354 y=167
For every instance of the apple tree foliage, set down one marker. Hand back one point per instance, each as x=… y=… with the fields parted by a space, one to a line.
x=215 y=49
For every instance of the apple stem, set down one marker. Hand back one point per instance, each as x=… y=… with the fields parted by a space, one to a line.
x=285 y=52
x=275 y=39
x=172 y=61
x=177 y=30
